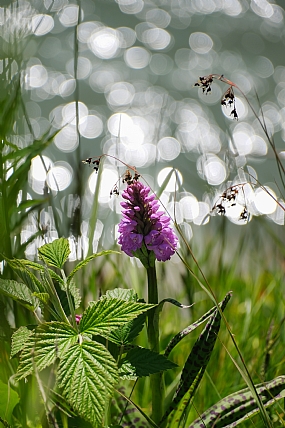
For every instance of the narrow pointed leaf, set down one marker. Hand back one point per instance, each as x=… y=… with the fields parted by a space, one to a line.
x=87 y=374
x=19 y=339
x=56 y=253
x=240 y=406
x=105 y=315
x=18 y=292
x=87 y=260
x=198 y=357
x=49 y=341
x=141 y=362
x=183 y=333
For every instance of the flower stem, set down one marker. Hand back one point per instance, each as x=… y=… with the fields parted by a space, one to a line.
x=156 y=380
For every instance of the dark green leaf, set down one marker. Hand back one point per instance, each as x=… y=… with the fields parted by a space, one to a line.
x=141 y=362
x=198 y=358
x=240 y=406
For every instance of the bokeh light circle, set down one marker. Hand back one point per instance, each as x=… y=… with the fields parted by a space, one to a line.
x=42 y=24
x=265 y=202
x=104 y=42
x=39 y=167
x=137 y=57
x=59 y=176
x=168 y=148
x=91 y=126
x=200 y=42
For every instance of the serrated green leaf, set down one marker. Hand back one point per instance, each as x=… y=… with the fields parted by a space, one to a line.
x=127 y=333
x=26 y=276
x=18 y=292
x=19 y=339
x=50 y=341
x=105 y=315
x=56 y=253
x=87 y=260
x=43 y=297
x=75 y=293
x=129 y=295
x=42 y=268
x=87 y=374
x=141 y=362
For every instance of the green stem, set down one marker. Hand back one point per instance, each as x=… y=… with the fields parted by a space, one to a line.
x=156 y=380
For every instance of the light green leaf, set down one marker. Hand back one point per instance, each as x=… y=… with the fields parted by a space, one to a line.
x=9 y=399
x=56 y=253
x=141 y=362
x=107 y=314
x=26 y=276
x=42 y=268
x=18 y=292
x=128 y=332
x=74 y=291
x=19 y=339
x=87 y=260
x=87 y=374
x=128 y=295
x=50 y=341
x=43 y=297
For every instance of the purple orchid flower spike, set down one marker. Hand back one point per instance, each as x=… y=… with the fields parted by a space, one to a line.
x=144 y=230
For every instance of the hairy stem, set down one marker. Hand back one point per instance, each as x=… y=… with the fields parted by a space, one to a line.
x=156 y=380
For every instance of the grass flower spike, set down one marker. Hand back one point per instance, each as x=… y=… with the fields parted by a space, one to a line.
x=144 y=228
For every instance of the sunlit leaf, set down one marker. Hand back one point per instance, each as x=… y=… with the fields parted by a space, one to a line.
x=18 y=292
x=56 y=253
x=19 y=339
x=105 y=315
x=49 y=341
x=86 y=374
x=129 y=295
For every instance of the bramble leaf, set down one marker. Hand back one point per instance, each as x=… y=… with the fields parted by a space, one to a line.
x=87 y=374
x=18 y=292
x=129 y=295
x=19 y=339
x=141 y=362
x=50 y=341
x=56 y=253
x=105 y=315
